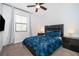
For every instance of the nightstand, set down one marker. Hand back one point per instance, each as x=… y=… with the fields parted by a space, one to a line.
x=40 y=34
x=71 y=43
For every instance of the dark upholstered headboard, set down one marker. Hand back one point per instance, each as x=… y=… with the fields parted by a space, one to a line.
x=57 y=28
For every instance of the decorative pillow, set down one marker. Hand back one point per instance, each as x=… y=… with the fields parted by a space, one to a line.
x=53 y=34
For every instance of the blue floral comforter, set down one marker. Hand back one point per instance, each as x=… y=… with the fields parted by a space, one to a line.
x=43 y=45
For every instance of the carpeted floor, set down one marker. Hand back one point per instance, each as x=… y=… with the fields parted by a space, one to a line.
x=15 y=50
x=20 y=50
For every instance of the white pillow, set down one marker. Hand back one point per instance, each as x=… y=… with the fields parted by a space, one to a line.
x=60 y=38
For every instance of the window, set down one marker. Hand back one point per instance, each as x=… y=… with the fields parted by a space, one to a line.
x=21 y=23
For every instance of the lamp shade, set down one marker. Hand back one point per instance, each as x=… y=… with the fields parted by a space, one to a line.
x=71 y=30
x=41 y=29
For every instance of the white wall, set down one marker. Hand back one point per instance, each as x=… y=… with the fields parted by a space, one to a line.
x=70 y=17
x=6 y=12
x=0 y=34
x=35 y=23
x=57 y=13
x=20 y=36
x=66 y=14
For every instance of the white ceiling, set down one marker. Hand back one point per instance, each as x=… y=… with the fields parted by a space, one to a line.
x=52 y=8
x=31 y=9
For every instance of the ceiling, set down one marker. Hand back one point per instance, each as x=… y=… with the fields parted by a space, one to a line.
x=24 y=6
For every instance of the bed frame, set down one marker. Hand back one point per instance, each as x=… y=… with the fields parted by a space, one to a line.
x=58 y=27
x=55 y=28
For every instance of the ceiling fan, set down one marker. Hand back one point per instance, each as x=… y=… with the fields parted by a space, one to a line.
x=37 y=6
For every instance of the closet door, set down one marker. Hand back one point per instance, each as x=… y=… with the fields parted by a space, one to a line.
x=21 y=20
x=7 y=14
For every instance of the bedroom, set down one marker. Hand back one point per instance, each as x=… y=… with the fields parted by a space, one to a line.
x=34 y=25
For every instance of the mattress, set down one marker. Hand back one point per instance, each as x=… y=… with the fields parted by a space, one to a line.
x=42 y=45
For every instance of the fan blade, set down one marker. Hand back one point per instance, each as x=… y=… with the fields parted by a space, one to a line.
x=41 y=3
x=43 y=7
x=31 y=5
x=36 y=10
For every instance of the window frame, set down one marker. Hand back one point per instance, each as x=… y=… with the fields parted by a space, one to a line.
x=20 y=24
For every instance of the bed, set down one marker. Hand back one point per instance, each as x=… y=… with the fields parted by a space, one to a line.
x=46 y=44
